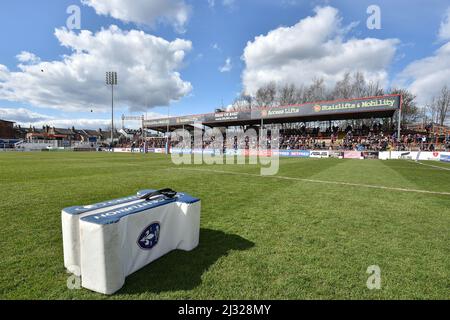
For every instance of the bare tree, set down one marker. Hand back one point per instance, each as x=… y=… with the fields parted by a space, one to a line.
x=359 y=86
x=343 y=88
x=316 y=91
x=266 y=95
x=300 y=94
x=410 y=111
x=442 y=103
x=373 y=89
x=430 y=112
x=287 y=95
x=243 y=103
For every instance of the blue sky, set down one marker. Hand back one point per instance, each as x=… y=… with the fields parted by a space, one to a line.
x=214 y=31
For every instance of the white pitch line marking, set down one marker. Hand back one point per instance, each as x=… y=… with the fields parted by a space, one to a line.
x=319 y=181
x=430 y=165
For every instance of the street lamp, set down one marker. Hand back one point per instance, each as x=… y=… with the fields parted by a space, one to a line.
x=111 y=80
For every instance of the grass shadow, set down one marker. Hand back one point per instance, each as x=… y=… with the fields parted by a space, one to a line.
x=180 y=270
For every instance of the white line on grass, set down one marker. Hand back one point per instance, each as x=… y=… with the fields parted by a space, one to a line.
x=430 y=165
x=318 y=181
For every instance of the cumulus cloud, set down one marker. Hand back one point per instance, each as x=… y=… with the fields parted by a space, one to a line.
x=22 y=115
x=315 y=47
x=93 y=124
x=147 y=68
x=426 y=77
x=227 y=66
x=26 y=118
x=144 y=12
x=444 y=30
x=27 y=57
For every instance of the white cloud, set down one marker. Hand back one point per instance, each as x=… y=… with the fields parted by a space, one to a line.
x=27 y=57
x=314 y=47
x=426 y=77
x=93 y=124
x=27 y=118
x=22 y=115
x=444 y=30
x=225 y=3
x=228 y=3
x=147 y=68
x=145 y=12
x=227 y=66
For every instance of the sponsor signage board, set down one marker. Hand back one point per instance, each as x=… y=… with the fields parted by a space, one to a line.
x=445 y=157
x=363 y=105
x=352 y=155
x=413 y=155
x=319 y=154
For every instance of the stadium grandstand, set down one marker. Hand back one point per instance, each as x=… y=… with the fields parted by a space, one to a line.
x=369 y=124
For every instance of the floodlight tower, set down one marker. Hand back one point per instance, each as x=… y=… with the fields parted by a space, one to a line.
x=111 y=80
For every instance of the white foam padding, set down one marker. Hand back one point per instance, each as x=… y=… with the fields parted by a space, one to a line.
x=118 y=240
x=70 y=218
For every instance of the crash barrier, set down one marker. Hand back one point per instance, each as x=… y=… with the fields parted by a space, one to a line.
x=110 y=240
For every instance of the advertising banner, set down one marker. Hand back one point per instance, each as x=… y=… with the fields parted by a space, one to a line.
x=413 y=155
x=352 y=155
x=293 y=153
x=445 y=157
x=320 y=154
x=312 y=110
x=370 y=154
x=329 y=108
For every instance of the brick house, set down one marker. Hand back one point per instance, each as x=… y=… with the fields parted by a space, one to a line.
x=6 y=129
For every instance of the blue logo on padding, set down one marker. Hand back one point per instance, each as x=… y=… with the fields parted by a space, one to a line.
x=149 y=237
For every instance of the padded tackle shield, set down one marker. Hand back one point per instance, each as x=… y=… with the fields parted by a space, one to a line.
x=70 y=218
x=124 y=238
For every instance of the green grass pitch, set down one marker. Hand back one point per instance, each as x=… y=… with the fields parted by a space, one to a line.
x=295 y=236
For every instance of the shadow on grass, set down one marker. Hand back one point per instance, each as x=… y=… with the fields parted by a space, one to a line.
x=180 y=270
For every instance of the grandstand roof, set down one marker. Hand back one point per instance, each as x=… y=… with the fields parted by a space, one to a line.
x=361 y=108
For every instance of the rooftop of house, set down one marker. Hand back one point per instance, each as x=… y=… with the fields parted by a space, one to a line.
x=6 y=121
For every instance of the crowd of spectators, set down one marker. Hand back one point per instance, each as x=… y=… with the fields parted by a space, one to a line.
x=364 y=138
x=361 y=139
